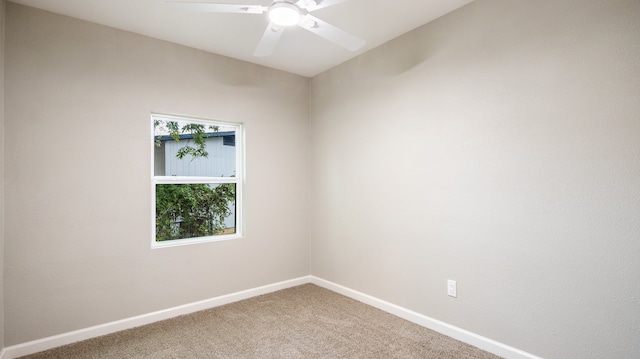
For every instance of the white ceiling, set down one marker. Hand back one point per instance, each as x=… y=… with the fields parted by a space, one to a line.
x=236 y=35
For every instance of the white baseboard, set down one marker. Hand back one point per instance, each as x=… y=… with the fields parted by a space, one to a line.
x=462 y=335
x=39 y=345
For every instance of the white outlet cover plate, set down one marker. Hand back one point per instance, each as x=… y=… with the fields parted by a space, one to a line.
x=452 y=290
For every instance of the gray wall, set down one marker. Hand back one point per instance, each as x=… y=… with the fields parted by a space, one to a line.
x=2 y=20
x=78 y=211
x=498 y=146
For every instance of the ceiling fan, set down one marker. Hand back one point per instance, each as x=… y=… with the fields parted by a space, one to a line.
x=283 y=14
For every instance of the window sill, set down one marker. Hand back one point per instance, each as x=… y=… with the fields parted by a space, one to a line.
x=198 y=240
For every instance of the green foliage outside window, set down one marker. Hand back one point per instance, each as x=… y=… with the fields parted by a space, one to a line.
x=198 y=131
x=192 y=210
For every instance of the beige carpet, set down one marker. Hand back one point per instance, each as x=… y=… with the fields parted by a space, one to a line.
x=300 y=322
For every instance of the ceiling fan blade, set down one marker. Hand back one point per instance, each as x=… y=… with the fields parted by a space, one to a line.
x=269 y=41
x=331 y=32
x=221 y=8
x=311 y=5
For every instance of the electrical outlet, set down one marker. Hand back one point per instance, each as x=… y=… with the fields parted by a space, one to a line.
x=452 y=288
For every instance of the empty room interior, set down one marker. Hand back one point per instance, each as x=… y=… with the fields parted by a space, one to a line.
x=496 y=145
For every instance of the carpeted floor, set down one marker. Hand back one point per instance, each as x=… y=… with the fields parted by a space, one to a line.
x=301 y=322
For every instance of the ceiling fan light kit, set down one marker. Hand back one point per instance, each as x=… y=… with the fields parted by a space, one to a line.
x=282 y=14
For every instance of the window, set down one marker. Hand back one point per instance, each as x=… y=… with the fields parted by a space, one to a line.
x=196 y=180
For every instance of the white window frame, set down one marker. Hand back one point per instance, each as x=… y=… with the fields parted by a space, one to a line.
x=238 y=180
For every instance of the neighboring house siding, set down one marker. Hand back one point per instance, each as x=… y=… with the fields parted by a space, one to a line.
x=220 y=163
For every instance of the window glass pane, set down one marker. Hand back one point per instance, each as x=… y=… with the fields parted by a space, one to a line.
x=195 y=210
x=185 y=148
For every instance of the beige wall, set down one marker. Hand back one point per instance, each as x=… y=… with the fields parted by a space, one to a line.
x=498 y=146
x=78 y=209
